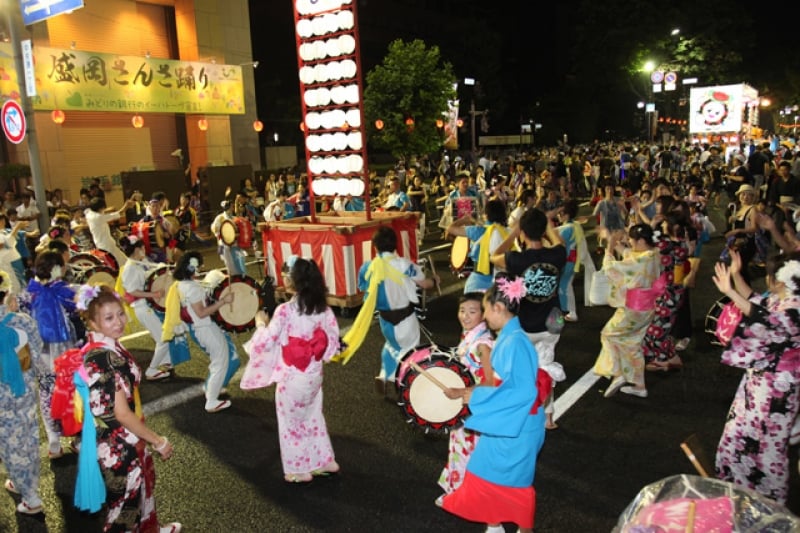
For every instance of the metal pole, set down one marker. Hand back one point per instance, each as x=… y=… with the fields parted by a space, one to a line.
x=14 y=22
x=472 y=129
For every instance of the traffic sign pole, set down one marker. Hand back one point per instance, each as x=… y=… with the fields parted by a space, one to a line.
x=13 y=17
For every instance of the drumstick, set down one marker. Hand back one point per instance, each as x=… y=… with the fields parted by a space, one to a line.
x=690 y=517
x=428 y=375
x=433 y=271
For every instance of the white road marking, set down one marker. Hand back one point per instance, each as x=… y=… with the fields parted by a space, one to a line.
x=574 y=393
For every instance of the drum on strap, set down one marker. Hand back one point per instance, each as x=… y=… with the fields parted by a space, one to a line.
x=158 y=280
x=247 y=301
x=99 y=274
x=107 y=258
x=710 y=325
x=459 y=256
x=422 y=402
x=237 y=231
x=84 y=261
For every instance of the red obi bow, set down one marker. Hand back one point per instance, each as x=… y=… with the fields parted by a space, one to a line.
x=299 y=352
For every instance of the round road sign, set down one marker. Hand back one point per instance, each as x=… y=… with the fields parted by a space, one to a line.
x=13 y=120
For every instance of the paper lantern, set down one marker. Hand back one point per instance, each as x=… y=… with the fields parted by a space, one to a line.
x=460 y=123
x=258 y=125
x=354 y=140
x=340 y=141
x=352 y=94
x=353 y=117
x=346 y=20
x=379 y=124
x=348 y=68
x=58 y=116
x=313 y=120
x=304 y=28
x=357 y=187
x=202 y=124
x=342 y=186
x=347 y=44
x=439 y=123
x=137 y=121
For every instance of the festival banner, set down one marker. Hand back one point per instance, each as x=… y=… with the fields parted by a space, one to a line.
x=77 y=80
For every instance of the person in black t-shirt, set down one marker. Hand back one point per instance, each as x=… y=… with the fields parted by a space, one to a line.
x=540 y=265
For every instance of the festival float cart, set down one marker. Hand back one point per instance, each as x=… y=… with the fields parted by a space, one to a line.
x=338 y=244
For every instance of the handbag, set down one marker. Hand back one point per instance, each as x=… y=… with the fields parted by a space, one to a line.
x=600 y=290
x=179 y=350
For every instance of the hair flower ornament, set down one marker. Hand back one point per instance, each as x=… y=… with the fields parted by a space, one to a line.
x=133 y=239
x=86 y=293
x=788 y=274
x=513 y=289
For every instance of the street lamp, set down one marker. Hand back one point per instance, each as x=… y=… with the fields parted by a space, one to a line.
x=649 y=66
x=675 y=32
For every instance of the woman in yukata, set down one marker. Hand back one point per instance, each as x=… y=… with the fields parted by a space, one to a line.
x=753 y=451
x=290 y=350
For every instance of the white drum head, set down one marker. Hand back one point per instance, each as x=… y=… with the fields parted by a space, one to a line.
x=429 y=400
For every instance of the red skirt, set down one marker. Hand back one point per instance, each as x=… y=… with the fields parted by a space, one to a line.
x=478 y=500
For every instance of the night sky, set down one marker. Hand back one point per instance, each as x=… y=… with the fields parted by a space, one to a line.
x=546 y=64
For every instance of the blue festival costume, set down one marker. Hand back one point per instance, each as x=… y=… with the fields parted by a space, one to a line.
x=498 y=486
x=395 y=305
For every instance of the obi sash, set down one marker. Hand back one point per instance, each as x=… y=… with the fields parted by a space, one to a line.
x=644 y=299
x=300 y=352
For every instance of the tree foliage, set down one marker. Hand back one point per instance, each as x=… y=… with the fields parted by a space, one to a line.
x=412 y=82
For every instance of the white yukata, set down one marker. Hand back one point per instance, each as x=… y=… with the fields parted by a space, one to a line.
x=404 y=335
x=210 y=337
x=134 y=276
x=291 y=352
x=101 y=233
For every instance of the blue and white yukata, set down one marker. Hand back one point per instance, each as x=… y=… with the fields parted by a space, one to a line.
x=19 y=428
x=393 y=297
x=478 y=282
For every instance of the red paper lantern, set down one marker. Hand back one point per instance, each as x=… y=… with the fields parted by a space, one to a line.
x=58 y=116
x=379 y=124
x=460 y=123
x=202 y=124
x=439 y=123
x=258 y=126
x=137 y=121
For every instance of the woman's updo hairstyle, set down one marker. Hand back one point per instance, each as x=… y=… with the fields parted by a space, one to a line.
x=130 y=243
x=105 y=295
x=641 y=231
x=45 y=263
x=188 y=265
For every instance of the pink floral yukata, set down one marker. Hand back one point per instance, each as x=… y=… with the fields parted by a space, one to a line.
x=753 y=451
x=462 y=441
x=291 y=351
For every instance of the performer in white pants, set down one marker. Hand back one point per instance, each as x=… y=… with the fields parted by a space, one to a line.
x=133 y=278
x=209 y=336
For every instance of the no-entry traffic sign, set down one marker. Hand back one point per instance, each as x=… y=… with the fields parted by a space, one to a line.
x=13 y=120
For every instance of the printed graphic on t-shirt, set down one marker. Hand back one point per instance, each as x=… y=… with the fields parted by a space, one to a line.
x=541 y=282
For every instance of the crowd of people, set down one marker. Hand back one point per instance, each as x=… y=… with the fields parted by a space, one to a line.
x=526 y=244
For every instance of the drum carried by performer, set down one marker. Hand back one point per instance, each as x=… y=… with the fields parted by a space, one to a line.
x=98 y=219
x=132 y=284
x=157 y=232
x=485 y=240
x=228 y=243
x=186 y=306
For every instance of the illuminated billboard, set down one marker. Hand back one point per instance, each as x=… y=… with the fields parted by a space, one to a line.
x=722 y=108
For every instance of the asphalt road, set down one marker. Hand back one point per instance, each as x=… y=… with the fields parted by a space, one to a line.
x=226 y=475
